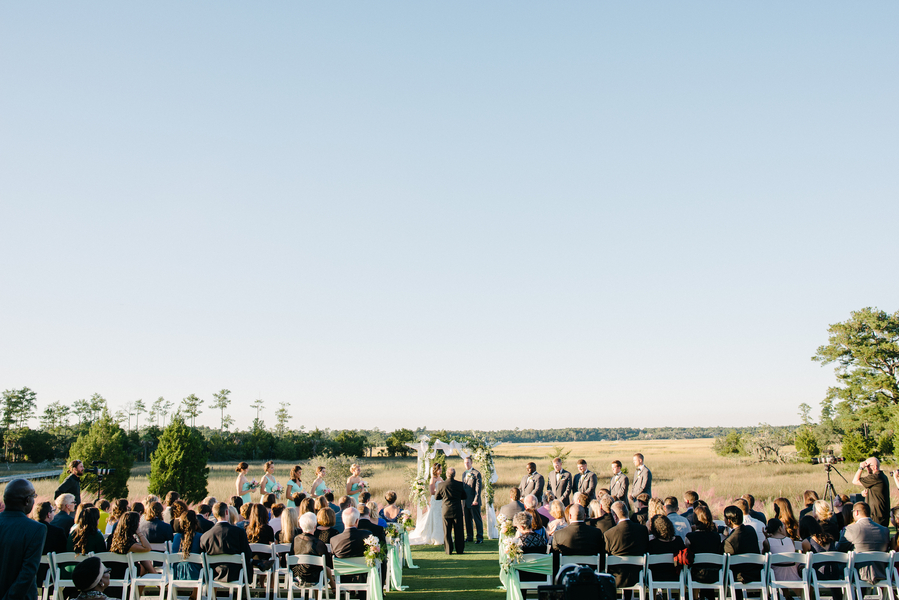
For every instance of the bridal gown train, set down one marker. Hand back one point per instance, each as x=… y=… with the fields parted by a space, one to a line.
x=429 y=529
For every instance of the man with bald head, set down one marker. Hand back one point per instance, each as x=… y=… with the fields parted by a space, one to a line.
x=21 y=542
x=877 y=489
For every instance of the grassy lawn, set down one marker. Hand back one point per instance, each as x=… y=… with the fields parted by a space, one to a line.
x=472 y=576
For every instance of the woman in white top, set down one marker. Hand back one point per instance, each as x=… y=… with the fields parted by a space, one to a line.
x=777 y=542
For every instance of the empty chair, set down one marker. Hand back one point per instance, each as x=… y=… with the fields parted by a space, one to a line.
x=830 y=570
x=320 y=588
x=632 y=561
x=708 y=572
x=873 y=570
x=241 y=584
x=777 y=582
x=652 y=584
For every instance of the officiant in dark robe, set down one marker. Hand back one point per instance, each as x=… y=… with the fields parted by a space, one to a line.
x=452 y=493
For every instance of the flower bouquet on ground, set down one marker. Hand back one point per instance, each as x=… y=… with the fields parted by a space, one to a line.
x=392 y=533
x=406 y=520
x=373 y=551
x=510 y=553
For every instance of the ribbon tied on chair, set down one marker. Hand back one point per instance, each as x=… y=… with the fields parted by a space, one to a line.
x=508 y=574
x=346 y=567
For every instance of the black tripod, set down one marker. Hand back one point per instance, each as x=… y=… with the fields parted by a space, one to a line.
x=829 y=492
x=100 y=490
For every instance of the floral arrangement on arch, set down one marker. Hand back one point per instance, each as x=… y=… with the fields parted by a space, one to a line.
x=418 y=491
x=406 y=521
x=483 y=455
x=373 y=551
x=510 y=553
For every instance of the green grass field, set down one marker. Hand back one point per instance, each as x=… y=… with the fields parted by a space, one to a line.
x=472 y=576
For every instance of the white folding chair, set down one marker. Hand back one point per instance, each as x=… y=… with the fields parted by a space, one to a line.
x=268 y=553
x=157 y=580
x=46 y=585
x=840 y=561
x=786 y=559
x=175 y=583
x=590 y=560
x=678 y=585
x=161 y=547
x=241 y=584
x=708 y=561
x=124 y=582
x=282 y=574
x=760 y=586
x=349 y=587
x=863 y=559
x=630 y=561
x=320 y=588
x=61 y=579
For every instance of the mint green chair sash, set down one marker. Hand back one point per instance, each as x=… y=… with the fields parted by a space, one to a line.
x=508 y=575
x=407 y=551
x=345 y=567
x=394 y=568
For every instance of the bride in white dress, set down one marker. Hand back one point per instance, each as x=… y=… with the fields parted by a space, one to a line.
x=429 y=529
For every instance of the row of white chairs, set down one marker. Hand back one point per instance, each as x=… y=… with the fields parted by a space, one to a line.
x=768 y=587
x=167 y=586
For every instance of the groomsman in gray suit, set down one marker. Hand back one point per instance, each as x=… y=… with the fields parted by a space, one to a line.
x=532 y=483
x=642 y=479
x=560 y=482
x=618 y=486
x=472 y=482
x=585 y=481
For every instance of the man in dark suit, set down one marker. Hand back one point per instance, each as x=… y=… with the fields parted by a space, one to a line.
x=72 y=483
x=560 y=482
x=21 y=542
x=642 y=479
x=472 y=483
x=225 y=538
x=204 y=517
x=618 y=485
x=338 y=525
x=532 y=483
x=757 y=515
x=741 y=540
x=641 y=509
x=452 y=493
x=864 y=535
x=690 y=500
x=626 y=538
x=350 y=543
x=605 y=521
x=514 y=506
x=585 y=481
x=578 y=538
x=368 y=522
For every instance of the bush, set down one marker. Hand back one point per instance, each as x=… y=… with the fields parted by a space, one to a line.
x=806 y=443
x=730 y=445
x=351 y=443
x=857 y=447
x=179 y=463
x=104 y=441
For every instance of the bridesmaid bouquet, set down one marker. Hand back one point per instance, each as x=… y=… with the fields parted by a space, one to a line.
x=373 y=551
x=254 y=485
x=278 y=490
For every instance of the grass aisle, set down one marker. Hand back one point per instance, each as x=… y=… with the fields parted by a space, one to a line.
x=472 y=576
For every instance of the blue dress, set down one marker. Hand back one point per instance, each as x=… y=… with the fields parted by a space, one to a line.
x=185 y=570
x=355 y=490
x=291 y=489
x=320 y=489
x=247 y=488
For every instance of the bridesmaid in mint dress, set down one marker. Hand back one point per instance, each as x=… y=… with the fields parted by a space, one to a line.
x=243 y=484
x=294 y=485
x=355 y=485
x=319 y=487
x=268 y=483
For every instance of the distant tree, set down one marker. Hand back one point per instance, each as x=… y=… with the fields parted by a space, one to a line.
x=396 y=442
x=351 y=443
x=55 y=417
x=258 y=404
x=82 y=410
x=16 y=407
x=35 y=446
x=139 y=408
x=558 y=452
x=806 y=442
x=857 y=447
x=221 y=402
x=281 y=419
x=104 y=441
x=97 y=405
x=192 y=408
x=179 y=462
x=729 y=445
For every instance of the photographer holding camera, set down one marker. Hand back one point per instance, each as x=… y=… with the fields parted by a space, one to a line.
x=72 y=483
x=877 y=489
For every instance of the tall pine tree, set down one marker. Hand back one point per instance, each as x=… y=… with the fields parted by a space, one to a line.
x=179 y=462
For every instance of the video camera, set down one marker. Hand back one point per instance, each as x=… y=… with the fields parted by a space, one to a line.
x=827 y=459
x=98 y=471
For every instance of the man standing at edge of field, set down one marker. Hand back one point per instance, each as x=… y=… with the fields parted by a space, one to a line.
x=619 y=483
x=72 y=483
x=560 y=482
x=877 y=490
x=472 y=483
x=642 y=479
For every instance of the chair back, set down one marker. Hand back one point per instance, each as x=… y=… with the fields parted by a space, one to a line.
x=109 y=558
x=818 y=558
x=617 y=561
x=161 y=547
x=747 y=559
x=175 y=559
x=660 y=559
x=59 y=559
x=262 y=549
x=580 y=559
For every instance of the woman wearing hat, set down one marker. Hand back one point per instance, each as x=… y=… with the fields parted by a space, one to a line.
x=91 y=578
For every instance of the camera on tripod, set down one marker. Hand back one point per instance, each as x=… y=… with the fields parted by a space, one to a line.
x=96 y=470
x=827 y=459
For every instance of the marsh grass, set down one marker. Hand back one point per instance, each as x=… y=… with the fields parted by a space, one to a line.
x=677 y=466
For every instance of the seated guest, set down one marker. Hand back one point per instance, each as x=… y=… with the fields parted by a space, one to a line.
x=156 y=530
x=204 y=516
x=777 y=542
x=741 y=540
x=170 y=499
x=306 y=544
x=260 y=532
x=544 y=508
x=704 y=539
x=748 y=521
x=55 y=540
x=824 y=515
x=119 y=508
x=307 y=505
x=290 y=519
x=329 y=496
x=530 y=541
x=580 y=498
x=178 y=508
x=654 y=508
x=578 y=538
x=690 y=500
x=325 y=530
x=664 y=541
x=559 y=519
x=186 y=542
x=818 y=540
x=605 y=521
x=594 y=511
x=86 y=537
x=129 y=538
x=350 y=543
x=808 y=498
x=514 y=506
x=626 y=538
x=245 y=510
x=681 y=525
x=138 y=507
x=91 y=578
x=268 y=501
x=391 y=512
x=64 y=519
x=236 y=502
x=367 y=521
x=783 y=512
x=864 y=535
x=846 y=514
x=758 y=516
x=641 y=510
x=275 y=521
x=530 y=506
x=225 y=538
x=103 y=505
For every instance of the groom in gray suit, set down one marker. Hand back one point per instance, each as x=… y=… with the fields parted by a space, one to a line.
x=471 y=481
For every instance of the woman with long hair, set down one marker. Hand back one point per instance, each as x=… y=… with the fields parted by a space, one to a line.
x=178 y=508
x=128 y=538
x=268 y=484
x=119 y=508
x=187 y=542
x=244 y=486
x=319 y=487
x=258 y=529
x=86 y=537
x=306 y=506
x=783 y=512
x=294 y=484
x=289 y=519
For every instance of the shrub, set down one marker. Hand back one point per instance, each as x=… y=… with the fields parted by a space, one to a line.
x=857 y=447
x=730 y=445
x=104 y=441
x=179 y=463
x=806 y=443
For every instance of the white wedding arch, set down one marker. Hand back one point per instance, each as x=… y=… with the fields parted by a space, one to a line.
x=483 y=456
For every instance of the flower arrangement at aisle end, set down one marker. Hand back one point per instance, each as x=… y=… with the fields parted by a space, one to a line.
x=504 y=524
x=406 y=520
x=392 y=533
x=510 y=552
x=418 y=491
x=373 y=551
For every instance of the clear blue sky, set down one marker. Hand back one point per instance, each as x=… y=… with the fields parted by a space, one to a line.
x=487 y=215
